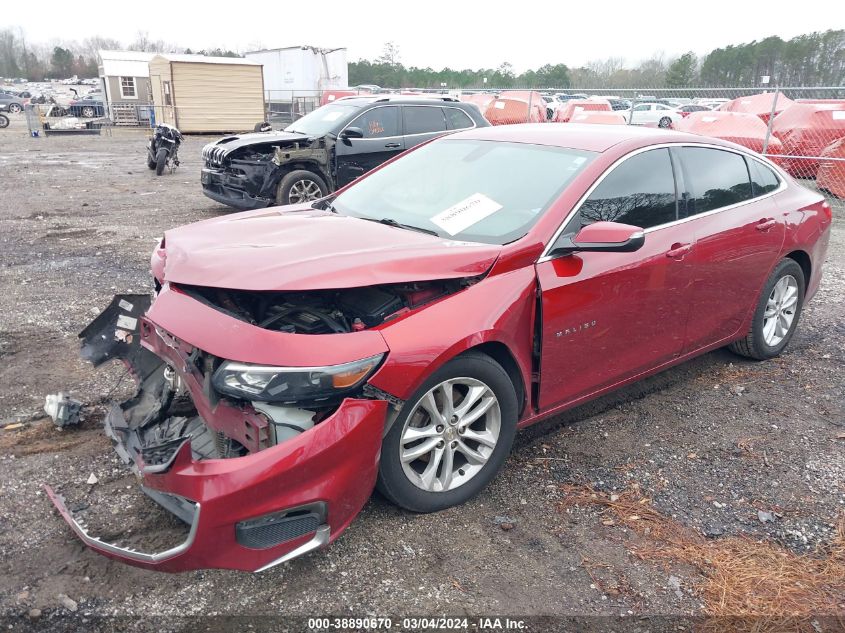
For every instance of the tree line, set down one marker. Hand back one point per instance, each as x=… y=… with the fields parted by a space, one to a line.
x=813 y=59
x=61 y=60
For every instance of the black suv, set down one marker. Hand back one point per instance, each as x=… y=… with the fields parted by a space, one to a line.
x=326 y=149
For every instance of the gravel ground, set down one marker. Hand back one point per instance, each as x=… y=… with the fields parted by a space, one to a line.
x=714 y=442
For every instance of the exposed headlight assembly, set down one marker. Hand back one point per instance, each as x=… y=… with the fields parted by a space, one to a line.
x=292 y=384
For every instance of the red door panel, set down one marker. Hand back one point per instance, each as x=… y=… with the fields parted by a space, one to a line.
x=609 y=316
x=735 y=250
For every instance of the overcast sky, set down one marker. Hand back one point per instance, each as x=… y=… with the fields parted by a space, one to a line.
x=436 y=33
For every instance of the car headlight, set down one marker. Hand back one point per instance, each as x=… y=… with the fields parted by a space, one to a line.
x=292 y=384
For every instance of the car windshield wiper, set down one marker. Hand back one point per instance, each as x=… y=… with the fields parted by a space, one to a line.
x=400 y=225
x=326 y=204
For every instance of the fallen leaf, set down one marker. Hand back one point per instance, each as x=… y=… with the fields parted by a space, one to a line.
x=608 y=522
x=634 y=517
x=12 y=427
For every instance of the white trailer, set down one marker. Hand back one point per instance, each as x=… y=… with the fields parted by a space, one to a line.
x=297 y=75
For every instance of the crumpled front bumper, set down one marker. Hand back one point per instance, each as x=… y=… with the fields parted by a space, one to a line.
x=247 y=513
x=230 y=189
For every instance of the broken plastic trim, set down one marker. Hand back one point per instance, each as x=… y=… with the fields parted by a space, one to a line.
x=111 y=548
x=321 y=538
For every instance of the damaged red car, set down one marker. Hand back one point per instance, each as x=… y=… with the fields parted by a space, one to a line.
x=397 y=333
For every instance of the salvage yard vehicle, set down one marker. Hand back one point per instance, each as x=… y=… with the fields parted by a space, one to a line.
x=326 y=149
x=11 y=103
x=398 y=333
x=163 y=148
x=659 y=113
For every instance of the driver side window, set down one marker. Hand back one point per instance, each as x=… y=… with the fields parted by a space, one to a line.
x=640 y=191
x=380 y=122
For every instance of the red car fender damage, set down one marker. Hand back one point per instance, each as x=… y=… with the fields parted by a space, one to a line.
x=335 y=463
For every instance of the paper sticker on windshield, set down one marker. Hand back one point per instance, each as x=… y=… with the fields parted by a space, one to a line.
x=467 y=212
x=838 y=115
x=708 y=119
x=499 y=105
x=331 y=98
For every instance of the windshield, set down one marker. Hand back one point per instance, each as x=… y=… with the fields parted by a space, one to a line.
x=478 y=191
x=322 y=120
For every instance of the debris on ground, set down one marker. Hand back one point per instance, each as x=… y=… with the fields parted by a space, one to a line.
x=63 y=409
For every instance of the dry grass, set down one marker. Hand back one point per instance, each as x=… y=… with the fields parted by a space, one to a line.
x=741 y=577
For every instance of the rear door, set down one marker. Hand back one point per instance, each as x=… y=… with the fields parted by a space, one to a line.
x=422 y=123
x=739 y=231
x=382 y=128
x=609 y=316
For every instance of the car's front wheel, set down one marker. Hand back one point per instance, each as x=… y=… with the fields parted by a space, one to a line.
x=300 y=186
x=451 y=437
x=14 y=108
x=664 y=122
x=777 y=313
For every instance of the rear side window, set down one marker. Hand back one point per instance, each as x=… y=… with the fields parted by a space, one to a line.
x=713 y=178
x=379 y=122
x=763 y=178
x=640 y=191
x=424 y=119
x=458 y=119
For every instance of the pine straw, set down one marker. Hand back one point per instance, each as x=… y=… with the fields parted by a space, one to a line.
x=742 y=578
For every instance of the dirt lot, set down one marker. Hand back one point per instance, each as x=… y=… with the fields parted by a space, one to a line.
x=716 y=449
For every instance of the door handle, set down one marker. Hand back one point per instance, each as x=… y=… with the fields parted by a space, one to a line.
x=678 y=250
x=765 y=224
x=393 y=145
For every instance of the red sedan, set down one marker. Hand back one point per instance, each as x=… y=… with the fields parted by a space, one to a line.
x=398 y=333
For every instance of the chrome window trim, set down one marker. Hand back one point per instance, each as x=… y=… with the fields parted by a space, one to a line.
x=545 y=256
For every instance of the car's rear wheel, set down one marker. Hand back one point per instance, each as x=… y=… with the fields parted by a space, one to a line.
x=14 y=108
x=88 y=112
x=451 y=437
x=777 y=313
x=300 y=186
x=664 y=122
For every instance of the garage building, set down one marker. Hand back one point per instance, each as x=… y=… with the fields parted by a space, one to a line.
x=203 y=94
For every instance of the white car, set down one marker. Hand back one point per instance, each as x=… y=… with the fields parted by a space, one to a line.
x=658 y=113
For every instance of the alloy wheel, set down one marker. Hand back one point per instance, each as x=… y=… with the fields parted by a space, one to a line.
x=450 y=434
x=88 y=112
x=304 y=191
x=780 y=310
x=14 y=108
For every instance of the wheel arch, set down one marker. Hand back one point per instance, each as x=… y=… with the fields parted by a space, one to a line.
x=305 y=165
x=802 y=258
x=503 y=355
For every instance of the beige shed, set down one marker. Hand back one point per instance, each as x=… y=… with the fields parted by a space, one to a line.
x=207 y=94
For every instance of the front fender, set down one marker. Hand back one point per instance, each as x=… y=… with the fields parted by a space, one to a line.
x=498 y=309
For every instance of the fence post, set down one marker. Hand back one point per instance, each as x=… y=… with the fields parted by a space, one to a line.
x=631 y=112
x=771 y=120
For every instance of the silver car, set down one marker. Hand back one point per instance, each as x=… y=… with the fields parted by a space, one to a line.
x=10 y=103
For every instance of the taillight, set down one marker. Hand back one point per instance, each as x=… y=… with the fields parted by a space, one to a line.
x=827 y=210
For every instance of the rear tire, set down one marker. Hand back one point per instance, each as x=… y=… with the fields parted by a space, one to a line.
x=776 y=316
x=161 y=161
x=300 y=186
x=464 y=465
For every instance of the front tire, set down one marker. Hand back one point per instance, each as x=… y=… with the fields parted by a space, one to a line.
x=451 y=437
x=4 y=121
x=300 y=186
x=664 y=122
x=776 y=316
x=161 y=161
x=14 y=108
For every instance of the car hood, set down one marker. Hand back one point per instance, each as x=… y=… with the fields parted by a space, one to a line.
x=236 y=141
x=300 y=248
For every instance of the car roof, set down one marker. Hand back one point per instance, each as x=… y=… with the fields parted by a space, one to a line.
x=581 y=136
x=412 y=100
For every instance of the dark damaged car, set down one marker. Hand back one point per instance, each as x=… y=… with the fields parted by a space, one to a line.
x=326 y=149
x=398 y=333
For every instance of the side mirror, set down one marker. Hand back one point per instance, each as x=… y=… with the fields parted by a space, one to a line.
x=352 y=132
x=607 y=237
